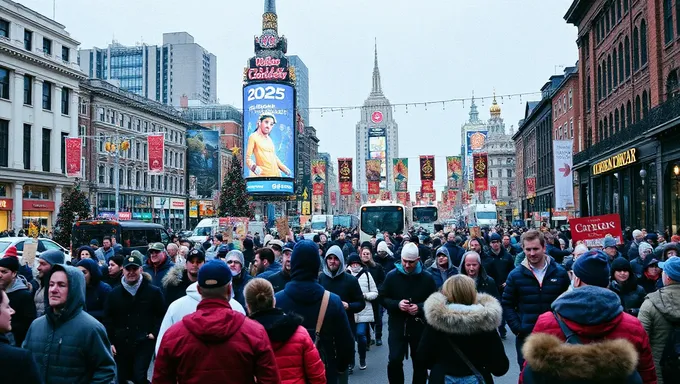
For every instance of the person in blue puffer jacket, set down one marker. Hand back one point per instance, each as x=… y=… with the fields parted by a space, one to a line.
x=96 y=291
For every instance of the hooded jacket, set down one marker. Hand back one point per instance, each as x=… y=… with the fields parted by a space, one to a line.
x=21 y=300
x=296 y=357
x=631 y=294
x=595 y=315
x=238 y=283
x=279 y=280
x=175 y=283
x=436 y=273
x=659 y=309
x=484 y=283
x=215 y=345
x=97 y=291
x=342 y=284
x=17 y=364
x=455 y=252
x=158 y=273
x=473 y=328
x=271 y=269
x=369 y=290
x=71 y=346
x=387 y=262
x=89 y=250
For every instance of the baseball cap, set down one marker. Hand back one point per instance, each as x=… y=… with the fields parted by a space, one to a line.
x=157 y=247
x=135 y=259
x=288 y=247
x=196 y=253
x=275 y=242
x=214 y=274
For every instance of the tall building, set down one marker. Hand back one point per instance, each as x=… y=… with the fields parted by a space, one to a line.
x=164 y=73
x=39 y=83
x=377 y=134
x=501 y=157
x=473 y=137
x=301 y=87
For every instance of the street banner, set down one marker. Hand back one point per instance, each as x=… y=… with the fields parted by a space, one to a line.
x=593 y=229
x=426 y=167
x=345 y=170
x=155 y=148
x=430 y=196
x=531 y=187
x=453 y=194
x=403 y=197
x=454 y=171
x=334 y=198
x=346 y=188
x=319 y=171
x=419 y=197
x=357 y=197
x=373 y=170
x=494 y=192
x=564 y=180
x=385 y=195
x=445 y=197
x=317 y=189
x=481 y=170
x=374 y=187
x=400 y=174
x=427 y=186
x=74 y=150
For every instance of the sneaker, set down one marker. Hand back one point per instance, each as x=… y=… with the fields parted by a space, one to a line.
x=362 y=365
x=372 y=342
x=378 y=342
x=350 y=370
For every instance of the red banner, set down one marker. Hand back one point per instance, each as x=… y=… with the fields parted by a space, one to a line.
x=373 y=187
x=494 y=192
x=74 y=150
x=345 y=170
x=346 y=188
x=426 y=167
x=427 y=186
x=124 y=215
x=453 y=194
x=334 y=198
x=531 y=187
x=317 y=189
x=403 y=197
x=480 y=165
x=156 y=147
x=385 y=195
x=592 y=230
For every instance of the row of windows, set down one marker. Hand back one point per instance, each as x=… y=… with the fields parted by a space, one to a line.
x=28 y=91
x=668 y=20
x=116 y=118
x=46 y=152
x=624 y=116
x=610 y=15
x=499 y=173
x=560 y=107
x=141 y=180
x=565 y=131
x=138 y=151
x=5 y=27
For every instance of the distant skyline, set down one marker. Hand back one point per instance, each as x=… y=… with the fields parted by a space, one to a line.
x=433 y=50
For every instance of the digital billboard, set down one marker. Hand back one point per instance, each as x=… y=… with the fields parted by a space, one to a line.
x=377 y=149
x=269 y=138
x=203 y=162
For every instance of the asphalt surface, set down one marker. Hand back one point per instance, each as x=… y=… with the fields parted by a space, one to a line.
x=376 y=364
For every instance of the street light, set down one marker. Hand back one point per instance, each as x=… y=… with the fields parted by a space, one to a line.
x=643 y=174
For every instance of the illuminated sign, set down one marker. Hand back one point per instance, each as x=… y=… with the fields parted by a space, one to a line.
x=267 y=68
x=267 y=41
x=617 y=161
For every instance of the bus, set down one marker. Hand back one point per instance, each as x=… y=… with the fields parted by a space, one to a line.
x=346 y=221
x=379 y=217
x=424 y=216
x=132 y=235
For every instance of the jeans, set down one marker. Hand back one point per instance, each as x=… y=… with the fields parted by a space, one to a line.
x=133 y=362
x=360 y=331
x=472 y=379
x=519 y=342
x=398 y=344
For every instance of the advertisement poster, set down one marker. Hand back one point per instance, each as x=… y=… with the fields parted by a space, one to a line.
x=334 y=198
x=427 y=186
x=454 y=171
x=481 y=172
x=377 y=149
x=317 y=189
x=419 y=197
x=564 y=180
x=269 y=138
x=474 y=142
x=74 y=150
x=373 y=187
x=156 y=149
x=531 y=187
x=193 y=209
x=203 y=162
x=345 y=176
x=373 y=167
x=319 y=171
x=453 y=194
x=206 y=208
x=426 y=168
x=400 y=174
x=592 y=230
x=385 y=195
x=346 y=189
x=494 y=192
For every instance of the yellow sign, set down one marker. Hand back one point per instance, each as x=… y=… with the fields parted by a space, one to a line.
x=306 y=208
x=305 y=195
x=617 y=161
x=501 y=203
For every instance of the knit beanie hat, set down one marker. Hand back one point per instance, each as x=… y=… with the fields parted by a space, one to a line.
x=53 y=257
x=644 y=247
x=10 y=262
x=410 y=252
x=593 y=268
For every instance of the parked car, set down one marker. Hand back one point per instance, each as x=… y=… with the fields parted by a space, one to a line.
x=43 y=245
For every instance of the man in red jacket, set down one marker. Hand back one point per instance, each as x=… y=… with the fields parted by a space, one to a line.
x=215 y=344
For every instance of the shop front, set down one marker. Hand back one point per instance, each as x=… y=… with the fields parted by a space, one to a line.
x=6 y=206
x=169 y=212
x=37 y=207
x=670 y=143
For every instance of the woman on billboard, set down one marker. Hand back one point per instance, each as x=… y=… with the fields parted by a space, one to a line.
x=260 y=144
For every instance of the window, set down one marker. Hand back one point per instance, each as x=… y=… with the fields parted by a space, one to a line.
x=629 y=113
x=599 y=131
x=28 y=40
x=625 y=6
x=636 y=50
x=47 y=95
x=643 y=42
x=4 y=143
x=100 y=174
x=129 y=178
x=615 y=71
x=588 y=96
x=28 y=90
x=46 y=144
x=667 y=21
x=82 y=132
x=677 y=17
x=111 y=177
x=611 y=124
x=618 y=9
x=571 y=98
x=571 y=128
x=621 y=62
x=4 y=83
x=638 y=109
x=27 y=146
x=599 y=82
x=609 y=74
x=65 y=100
x=138 y=179
x=63 y=152
x=605 y=127
x=623 y=116
x=4 y=28
x=627 y=56
x=645 y=104
x=65 y=54
x=47 y=46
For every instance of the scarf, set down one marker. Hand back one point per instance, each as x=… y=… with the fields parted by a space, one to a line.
x=652 y=277
x=355 y=270
x=132 y=288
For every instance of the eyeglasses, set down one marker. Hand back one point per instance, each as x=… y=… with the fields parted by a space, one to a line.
x=232 y=262
x=410 y=261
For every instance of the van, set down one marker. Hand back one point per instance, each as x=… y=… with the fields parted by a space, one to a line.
x=204 y=229
x=131 y=235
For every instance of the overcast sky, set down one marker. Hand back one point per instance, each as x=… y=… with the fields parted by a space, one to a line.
x=428 y=50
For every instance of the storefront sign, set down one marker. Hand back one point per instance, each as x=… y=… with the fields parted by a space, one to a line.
x=617 y=161
x=6 y=204
x=161 y=203
x=38 y=205
x=124 y=215
x=592 y=230
x=178 y=204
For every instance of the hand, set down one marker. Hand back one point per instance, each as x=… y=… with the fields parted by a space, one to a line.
x=503 y=285
x=413 y=309
x=150 y=336
x=286 y=170
x=404 y=305
x=344 y=304
x=257 y=170
x=113 y=350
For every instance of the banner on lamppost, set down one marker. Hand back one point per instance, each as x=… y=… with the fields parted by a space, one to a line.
x=426 y=167
x=373 y=187
x=403 y=197
x=454 y=171
x=156 y=149
x=480 y=165
x=564 y=180
x=494 y=192
x=373 y=170
x=531 y=187
x=427 y=186
x=74 y=150
x=334 y=198
x=400 y=174
x=345 y=176
x=319 y=171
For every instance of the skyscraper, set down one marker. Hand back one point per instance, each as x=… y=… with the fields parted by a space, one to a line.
x=177 y=69
x=301 y=87
x=377 y=134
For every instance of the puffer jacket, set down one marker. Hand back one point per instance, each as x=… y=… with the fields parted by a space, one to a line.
x=158 y=273
x=370 y=292
x=296 y=356
x=631 y=294
x=175 y=283
x=659 y=309
x=72 y=347
x=17 y=364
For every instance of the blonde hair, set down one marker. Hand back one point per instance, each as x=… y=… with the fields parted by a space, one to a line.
x=460 y=289
x=259 y=295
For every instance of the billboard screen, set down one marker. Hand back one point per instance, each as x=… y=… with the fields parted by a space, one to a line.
x=269 y=138
x=203 y=162
x=377 y=149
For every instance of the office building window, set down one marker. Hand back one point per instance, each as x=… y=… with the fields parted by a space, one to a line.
x=28 y=40
x=4 y=83
x=65 y=100
x=47 y=95
x=4 y=143
x=4 y=28
x=28 y=90
x=27 y=146
x=101 y=174
x=63 y=152
x=46 y=144
x=47 y=46
x=65 y=54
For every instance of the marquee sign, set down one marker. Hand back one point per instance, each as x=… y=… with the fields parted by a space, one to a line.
x=617 y=161
x=268 y=68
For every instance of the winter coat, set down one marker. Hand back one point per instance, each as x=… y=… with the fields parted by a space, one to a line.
x=39 y=294
x=595 y=316
x=112 y=281
x=659 y=309
x=238 y=283
x=484 y=283
x=17 y=365
x=71 y=347
x=633 y=252
x=104 y=256
x=175 y=283
x=556 y=253
x=97 y=291
x=129 y=319
x=437 y=274
x=279 y=280
x=472 y=328
x=183 y=306
x=21 y=301
x=158 y=273
x=271 y=269
x=249 y=257
x=498 y=266
x=524 y=299
x=296 y=356
x=455 y=252
x=370 y=292
x=376 y=270
x=343 y=284
x=387 y=262
x=631 y=294
x=215 y=345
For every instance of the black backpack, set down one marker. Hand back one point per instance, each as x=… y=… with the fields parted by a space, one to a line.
x=670 y=358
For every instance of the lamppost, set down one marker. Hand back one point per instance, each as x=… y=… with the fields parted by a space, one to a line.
x=113 y=148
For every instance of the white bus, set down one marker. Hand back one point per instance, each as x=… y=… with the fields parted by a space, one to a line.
x=381 y=217
x=482 y=215
x=424 y=216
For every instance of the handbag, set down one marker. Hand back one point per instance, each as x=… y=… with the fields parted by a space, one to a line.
x=480 y=378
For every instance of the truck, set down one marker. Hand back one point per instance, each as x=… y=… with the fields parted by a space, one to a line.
x=481 y=215
x=321 y=223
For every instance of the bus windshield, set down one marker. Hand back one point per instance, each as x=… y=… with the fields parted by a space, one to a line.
x=486 y=216
x=318 y=225
x=381 y=219
x=424 y=214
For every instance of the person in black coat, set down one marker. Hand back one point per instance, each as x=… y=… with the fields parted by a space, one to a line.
x=624 y=284
x=180 y=277
x=16 y=288
x=455 y=251
x=248 y=253
x=96 y=291
x=112 y=274
x=283 y=277
x=471 y=265
x=16 y=365
x=384 y=257
x=459 y=316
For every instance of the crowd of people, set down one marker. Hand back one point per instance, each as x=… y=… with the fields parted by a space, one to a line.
x=289 y=310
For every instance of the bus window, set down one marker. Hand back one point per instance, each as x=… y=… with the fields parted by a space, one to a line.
x=382 y=219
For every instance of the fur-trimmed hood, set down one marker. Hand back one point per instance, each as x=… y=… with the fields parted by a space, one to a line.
x=174 y=276
x=459 y=319
x=610 y=360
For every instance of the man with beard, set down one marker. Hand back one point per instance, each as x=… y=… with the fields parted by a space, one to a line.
x=281 y=278
x=475 y=245
x=454 y=250
x=511 y=248
x=240 y=277
x=46 y=261
x=158 y=264
x=265 y=263
x=16 y=288
x=180 y=277
x=442 y=268
x=498 y=264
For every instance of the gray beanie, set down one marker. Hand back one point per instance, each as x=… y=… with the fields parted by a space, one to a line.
x=235 y=255
x=53 y=257
x=642 y=247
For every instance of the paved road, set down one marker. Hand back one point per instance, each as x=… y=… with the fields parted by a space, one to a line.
x=376 y=362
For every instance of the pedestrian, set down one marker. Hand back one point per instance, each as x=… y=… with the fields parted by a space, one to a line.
x=84 y=252
x=17 y=365
x=133 y=315
x=180 y=277
x=471 y=266
x=461 y=340
x=248 y=253
x=384 y=257
x=363 y=318
x=240 y=276
x=96 y=291
x=378 y=274
x=603 y=343
x=282 y=277
x=18 y=292
x=113 y=274
x=624 y=284
x=650 y=279
x=46 y=261
x=442 y=268
x=173 y=251
x=211 y=251
x=215 y=344
x=158 y=264
x=403 y=294
x=265 y=263
x=65 y=328
x=105 y=252
x=304 y=296
x=455 y=252
x=498 y=264
x=297 y=358
x=531 y=288
x=609 y=247
x=645 y=252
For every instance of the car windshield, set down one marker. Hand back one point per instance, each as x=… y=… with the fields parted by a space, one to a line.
x=486 y=216
x=381 y=219
x=4 y=245
x=202 y=231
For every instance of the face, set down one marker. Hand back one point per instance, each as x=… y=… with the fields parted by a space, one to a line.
x=671 y=252
x=265 y=125
x=366 y=255
x=84 y=255
x=409 y=266
x=654 y=270
x=534 y=251
x=106 y=244
x=621 y=276
x=342 y=236
x=471 y=266
x=333 y=263
x=113 y=268
x=506 y=241
x=156 y=256
x=43 y=268
x=235 y=266
x=661 y=239
x=172 y=251
x=323 y=239
x=475 y=246
x=86 y=273
x=355 y=241
x=496 y=245
x=193 y=266
x=6 y=313
x=259 y=264
x=442 y=260
x=277 y=251
x=611 y=251
x=451 y=237
x=285 y=260
x=6 y=277
x=58 y=289
x=132 y=274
